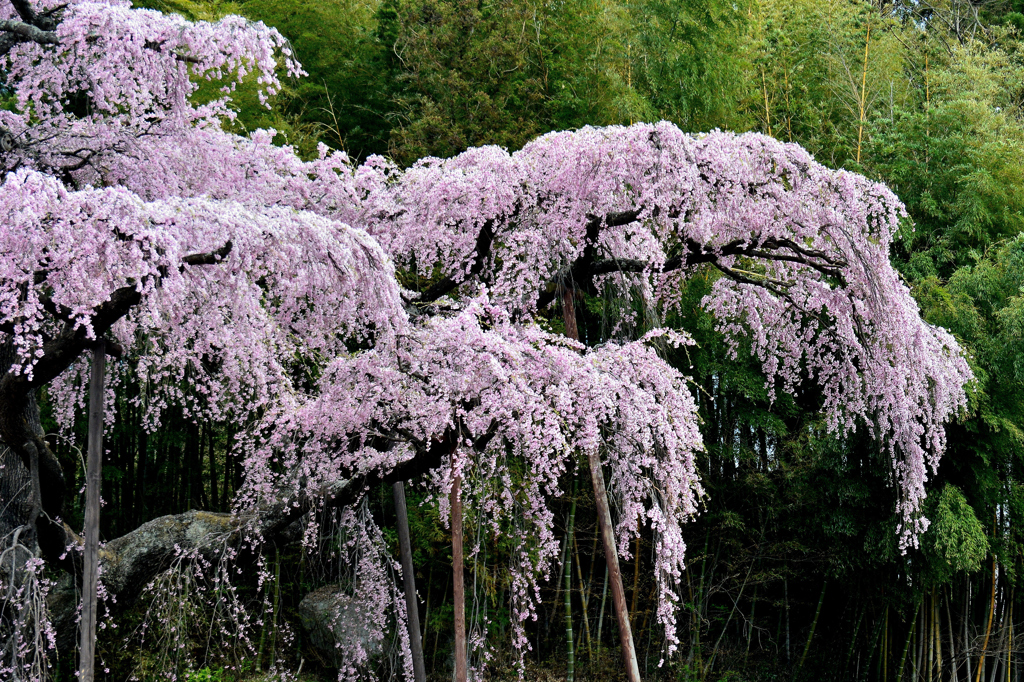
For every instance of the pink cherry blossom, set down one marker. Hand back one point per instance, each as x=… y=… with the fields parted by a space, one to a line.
x=244 y=283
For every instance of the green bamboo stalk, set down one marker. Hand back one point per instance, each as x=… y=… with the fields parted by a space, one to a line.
x=276 y=607
x=571 y=656
x=785 y=593
x=906 y=645
x=953 y=665
x=853 y=639
x=1009 y=646
x=583 y=597
x=593 y=563
x=814 y=624
x=558 y=586
x=426 y=614
x=695 y=646
x=991 y=614
x=437 y=631
x=735 y=605
x=930 y=637
x=590 y=590
x=753 y=612
x=937 y=618
x=874 y=646
x=883 y=660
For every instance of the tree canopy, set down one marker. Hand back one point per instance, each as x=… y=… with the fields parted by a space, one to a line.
x=367 y=322
x=458 y=260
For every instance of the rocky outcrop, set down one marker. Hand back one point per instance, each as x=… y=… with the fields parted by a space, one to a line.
x=338 y=624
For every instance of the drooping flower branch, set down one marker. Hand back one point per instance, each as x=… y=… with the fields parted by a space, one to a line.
x=803 y=251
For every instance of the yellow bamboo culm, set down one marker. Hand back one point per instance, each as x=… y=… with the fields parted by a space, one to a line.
x=988 y=630
x=1009 y=647
x=938 y=633
x=767 y=115
x=927 y=87
x=863 y=92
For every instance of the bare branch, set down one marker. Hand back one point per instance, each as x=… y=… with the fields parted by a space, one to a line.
x=211 y=258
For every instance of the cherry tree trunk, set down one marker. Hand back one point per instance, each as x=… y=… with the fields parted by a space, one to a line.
x=93 y=482
x=461 y=665
x=409 y=578
x=604 y=521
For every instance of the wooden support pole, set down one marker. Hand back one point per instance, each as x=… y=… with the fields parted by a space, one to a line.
x=409 y=578
x=459 y=586
x=604 y=522
x=604 y=518
x=93 y=482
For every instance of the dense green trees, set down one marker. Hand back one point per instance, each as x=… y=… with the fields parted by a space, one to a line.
x=412 y=78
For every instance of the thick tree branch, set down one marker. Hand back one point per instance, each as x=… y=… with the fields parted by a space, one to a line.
x=276 y=517
x=24 y=10
x=485 y=240
x=59 y=353
x=19 y=422
x=583 y=270
x=29 y=32
x=211 y=258
x=480 y=254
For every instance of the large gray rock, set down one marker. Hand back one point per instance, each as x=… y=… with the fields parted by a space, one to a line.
x=338 y=624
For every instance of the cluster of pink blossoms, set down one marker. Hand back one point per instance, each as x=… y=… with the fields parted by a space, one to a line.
x=218 y=337
x=513 y=393
x=113 y=78
x=804 y=250
x=250 y=264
